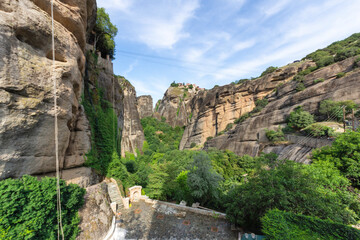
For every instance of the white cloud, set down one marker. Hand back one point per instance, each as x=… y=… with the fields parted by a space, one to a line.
x=119 y=5
x=275 y=8
x=161 y=25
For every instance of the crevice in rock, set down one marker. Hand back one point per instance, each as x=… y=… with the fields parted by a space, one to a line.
x=58 y=56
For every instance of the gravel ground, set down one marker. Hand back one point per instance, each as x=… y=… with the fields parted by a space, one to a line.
x=145 y=221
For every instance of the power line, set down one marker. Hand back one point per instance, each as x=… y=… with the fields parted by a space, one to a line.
x=144 y=57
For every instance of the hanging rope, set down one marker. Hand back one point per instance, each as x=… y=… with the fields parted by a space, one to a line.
x=58 y=205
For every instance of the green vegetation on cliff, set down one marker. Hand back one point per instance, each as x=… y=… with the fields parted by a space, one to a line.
x=105 y=32
x=336 y=51
x=105 y=140
x=28 y=208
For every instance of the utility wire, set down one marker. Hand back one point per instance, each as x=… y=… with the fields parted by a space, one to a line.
x=135 y=56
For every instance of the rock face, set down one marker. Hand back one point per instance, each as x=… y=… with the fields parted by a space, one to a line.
x=26 y=84
x=132 y=136
x=145 y=106
x=122 y=95
x=96 y=214
x=247 y=137
x=214 y=109
x=175 y=105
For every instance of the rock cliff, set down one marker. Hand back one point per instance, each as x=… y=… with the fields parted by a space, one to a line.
x=132 y=136
x=96 y=214
x=213 y=110
x=248 y=136
x=26 y=92
x=175 y=105
x=145 y=106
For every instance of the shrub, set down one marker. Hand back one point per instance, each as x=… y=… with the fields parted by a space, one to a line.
x=275 y=136
x=307 y=71
x=173 y=84
x=261 y=102
x=242 y=118
x=298 y=78
x=191 y=86
x=209 y=138
x=228 y=127
x=268 y=70
x=300 y=119
x=319 y=80
x=278 y=225
x=192 y=145
x=300 y=87
x=28 y=208
x=318 y=130
x=340 y=75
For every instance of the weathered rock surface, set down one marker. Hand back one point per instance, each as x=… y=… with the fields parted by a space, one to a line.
x=96 y=214
x=214 y=109
x=82 y=176
x=175 y=105
x=122 y=95
x=246 y=137
x=145 y=106
x=132 y=136
x=26 y=92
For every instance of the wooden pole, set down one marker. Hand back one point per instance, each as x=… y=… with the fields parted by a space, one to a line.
x=353 y=119
x=344 y=119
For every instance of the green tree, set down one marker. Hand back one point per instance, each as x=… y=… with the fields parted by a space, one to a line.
x=105 y=33
x=279 y=225
x=344 y=153
x=28 y=208
x=202 y=180
x=314 y=190
x=300 y=119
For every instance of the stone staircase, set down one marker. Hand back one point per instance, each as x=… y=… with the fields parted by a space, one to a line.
x=114 y=194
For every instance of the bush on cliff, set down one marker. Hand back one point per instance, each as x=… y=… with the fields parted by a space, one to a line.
x=300 y=119
x=28 y=208
x=344 y=153
x=105 y=32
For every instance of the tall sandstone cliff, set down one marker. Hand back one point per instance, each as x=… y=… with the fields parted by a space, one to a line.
x=175 y=105
x=145 y=106
x=132 y=136
x=248 y=137
x=26 y=95
x=214 y=109
x=26 y=90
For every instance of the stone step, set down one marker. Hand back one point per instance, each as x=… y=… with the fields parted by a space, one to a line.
x=114 y=194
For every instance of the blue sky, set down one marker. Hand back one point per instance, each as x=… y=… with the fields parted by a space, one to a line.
x=211 y=42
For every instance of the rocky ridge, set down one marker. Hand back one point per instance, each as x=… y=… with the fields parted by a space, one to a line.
x=145 y=106
x=249 y=137
x=213 y=110
x=175 y=105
